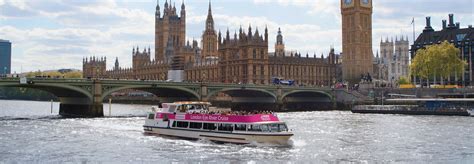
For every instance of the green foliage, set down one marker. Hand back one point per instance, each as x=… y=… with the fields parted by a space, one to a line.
x=440 y=60
x=403 y=80
x=72 y=74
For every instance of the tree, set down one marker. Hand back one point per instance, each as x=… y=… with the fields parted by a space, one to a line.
x=403 y=80
x=73 y=74
x=439 y=60
x=55 y=74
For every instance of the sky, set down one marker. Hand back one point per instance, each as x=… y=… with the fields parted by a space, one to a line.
x=55 y=34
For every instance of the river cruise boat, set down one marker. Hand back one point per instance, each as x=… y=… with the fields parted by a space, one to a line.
x=425 y=106
x=194 y=120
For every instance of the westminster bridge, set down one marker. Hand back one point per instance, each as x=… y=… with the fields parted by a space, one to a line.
x=84 y=97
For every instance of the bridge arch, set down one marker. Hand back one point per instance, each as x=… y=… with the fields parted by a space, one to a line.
x=308 y=93
x=307 y=100
x=235 y=92
x=157 y=90
x=56 y=89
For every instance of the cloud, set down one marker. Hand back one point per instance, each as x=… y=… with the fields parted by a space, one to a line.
x=315 y=7
x=84 y=28
x=60 y=32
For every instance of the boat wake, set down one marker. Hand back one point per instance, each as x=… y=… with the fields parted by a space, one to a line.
x=13 y=118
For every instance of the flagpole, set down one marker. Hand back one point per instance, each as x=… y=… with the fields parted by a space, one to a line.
x=413 y=22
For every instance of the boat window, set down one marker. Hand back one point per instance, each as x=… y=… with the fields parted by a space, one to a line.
x=198 y=107
x=190 y=107
x=172 y=108
x=225 y=127
x=209 y=126
x=195 y=125
x=241 y=127
x=181 y=108
x=254 y=128
x=151 y=116
x=274 y=128
x=264 y=128
x=283 y=127
x=182 y=124
x=174 y=124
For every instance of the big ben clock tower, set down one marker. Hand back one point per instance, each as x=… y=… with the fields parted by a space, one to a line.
x=356 y=39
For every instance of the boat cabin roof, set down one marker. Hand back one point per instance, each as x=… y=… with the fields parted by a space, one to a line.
x=186 y=106
x=192 y=102
x=433 y=99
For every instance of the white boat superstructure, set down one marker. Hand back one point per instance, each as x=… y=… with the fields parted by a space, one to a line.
x=194 y=120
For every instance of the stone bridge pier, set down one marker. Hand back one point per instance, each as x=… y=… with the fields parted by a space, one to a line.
x=83 y=106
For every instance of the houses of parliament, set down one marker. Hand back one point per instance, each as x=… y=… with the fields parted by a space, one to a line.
x=241 y=57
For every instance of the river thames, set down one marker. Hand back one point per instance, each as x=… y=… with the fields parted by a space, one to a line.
x=31 y=134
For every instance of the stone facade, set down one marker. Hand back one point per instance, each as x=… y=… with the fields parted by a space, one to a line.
x=356 y=39
x=94 y=67
x=239 y=58
x=393 y=61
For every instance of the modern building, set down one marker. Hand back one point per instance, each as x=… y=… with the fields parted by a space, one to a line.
x=462 y=38
x=5 y=57
x=356 y=39
x=393 y=62
x=242 y=57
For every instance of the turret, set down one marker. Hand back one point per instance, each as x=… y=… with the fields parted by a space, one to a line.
x=256 y=32
x=428 y=27
x=165 y=12
x=219 y=37
x=451 y=21
x=157 y=13
x=183 y=10
x=444 y=24
x=279 y=37
x=250 y=32
x=266 y=34
x=174 y=9
x=116 y=64
x=209 y=19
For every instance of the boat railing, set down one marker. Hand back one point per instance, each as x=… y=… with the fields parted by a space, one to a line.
x=231 y=113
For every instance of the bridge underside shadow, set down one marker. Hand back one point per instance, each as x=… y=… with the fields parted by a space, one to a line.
x=73 y=102
x=252 y=100
x=307 y=101
x=169 y=94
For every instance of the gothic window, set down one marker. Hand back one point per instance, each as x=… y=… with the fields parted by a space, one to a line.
x=254 y=71
x=352 y=25
x=254 y=53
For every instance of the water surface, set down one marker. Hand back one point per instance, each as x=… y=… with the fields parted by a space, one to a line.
x=31 y=133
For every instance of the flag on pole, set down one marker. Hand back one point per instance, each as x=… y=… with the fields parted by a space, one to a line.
x=413 y=20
